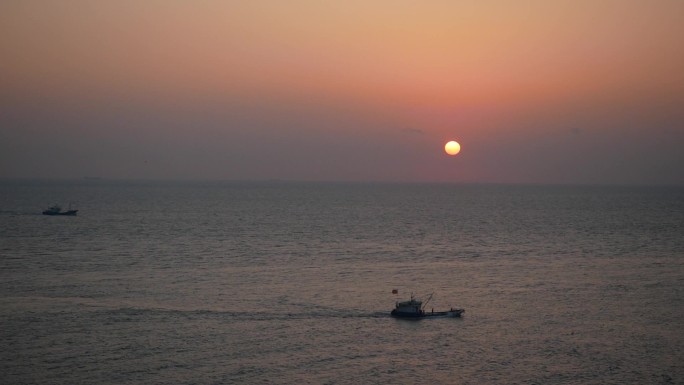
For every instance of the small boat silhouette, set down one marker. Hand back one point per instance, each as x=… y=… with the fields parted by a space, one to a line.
x=415 y=308
x=57 y=210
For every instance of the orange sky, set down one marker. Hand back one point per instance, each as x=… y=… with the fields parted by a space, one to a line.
x=344 y=90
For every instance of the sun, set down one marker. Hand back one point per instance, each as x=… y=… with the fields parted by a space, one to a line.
x=452 y=147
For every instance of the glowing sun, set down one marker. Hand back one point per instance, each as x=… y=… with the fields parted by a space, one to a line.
x=452 y=148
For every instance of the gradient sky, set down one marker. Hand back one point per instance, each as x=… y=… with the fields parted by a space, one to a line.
x=535 y=91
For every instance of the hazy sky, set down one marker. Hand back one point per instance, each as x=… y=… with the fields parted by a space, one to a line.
x=535 y=91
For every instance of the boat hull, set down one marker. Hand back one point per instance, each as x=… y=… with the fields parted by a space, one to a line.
x=69 y=213
x=455 y=313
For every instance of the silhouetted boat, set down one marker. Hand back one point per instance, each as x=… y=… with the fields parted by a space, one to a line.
x=57 y=210
x=415 y=308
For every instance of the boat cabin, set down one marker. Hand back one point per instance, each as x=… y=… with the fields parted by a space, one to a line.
x=412 y=307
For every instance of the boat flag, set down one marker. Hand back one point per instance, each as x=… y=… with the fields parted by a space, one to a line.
x=395 y=291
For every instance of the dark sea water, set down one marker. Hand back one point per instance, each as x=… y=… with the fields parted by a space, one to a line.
x=289 y=283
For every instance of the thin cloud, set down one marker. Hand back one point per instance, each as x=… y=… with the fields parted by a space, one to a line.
x=412 y=131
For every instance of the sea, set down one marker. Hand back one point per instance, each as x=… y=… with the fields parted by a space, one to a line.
x=276 y=282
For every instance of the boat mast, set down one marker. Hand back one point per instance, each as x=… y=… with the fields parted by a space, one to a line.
x=428 y=300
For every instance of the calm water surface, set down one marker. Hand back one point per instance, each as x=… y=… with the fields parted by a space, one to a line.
x=217 y=283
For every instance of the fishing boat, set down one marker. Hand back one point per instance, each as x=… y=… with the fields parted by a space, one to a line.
x=57 y=210
x=414 y=308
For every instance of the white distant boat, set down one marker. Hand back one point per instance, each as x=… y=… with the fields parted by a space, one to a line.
x=414 y=308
